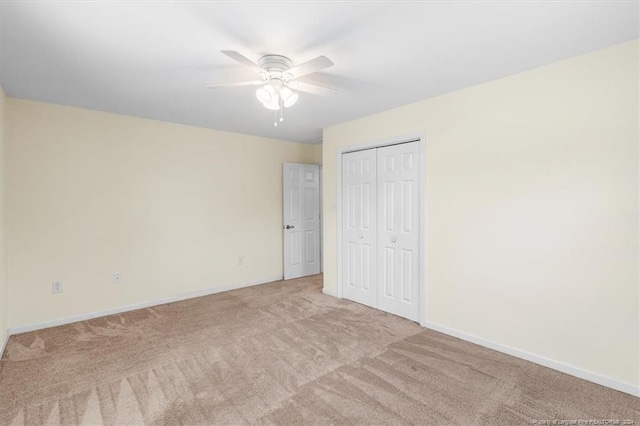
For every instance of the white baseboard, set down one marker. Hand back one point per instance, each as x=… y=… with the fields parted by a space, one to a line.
x=541 y=360
x=3 y=344
x=133 y=307
x=329 y=292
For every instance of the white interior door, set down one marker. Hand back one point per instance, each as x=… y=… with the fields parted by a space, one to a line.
x=359 y=227
x=381 y=228
x=399 y=230
x=301 y=226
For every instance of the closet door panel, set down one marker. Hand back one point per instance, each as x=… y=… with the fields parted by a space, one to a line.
x=398 y=229
x=359 y=238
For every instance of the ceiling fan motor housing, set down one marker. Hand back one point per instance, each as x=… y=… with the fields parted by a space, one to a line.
x=275 y=67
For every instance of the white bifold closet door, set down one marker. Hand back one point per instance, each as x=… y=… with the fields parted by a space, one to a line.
x=381 y=235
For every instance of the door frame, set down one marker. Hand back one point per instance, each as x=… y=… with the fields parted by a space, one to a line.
x=321 y=222
x=422 y=182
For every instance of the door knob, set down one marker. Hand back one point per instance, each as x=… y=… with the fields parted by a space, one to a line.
x=361 y=236
x=393 y=240
x=289 y=227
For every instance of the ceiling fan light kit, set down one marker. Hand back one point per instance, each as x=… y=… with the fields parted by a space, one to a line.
x=275 y=94
x=277 y=72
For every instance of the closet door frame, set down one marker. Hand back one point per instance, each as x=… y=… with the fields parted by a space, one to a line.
x=422 y=152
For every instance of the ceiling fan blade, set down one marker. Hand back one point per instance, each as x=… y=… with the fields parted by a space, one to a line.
x=311 y=88
x=317 y=64
x=242 y=59
x=240 y=83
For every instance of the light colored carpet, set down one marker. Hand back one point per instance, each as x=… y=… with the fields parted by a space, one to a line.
x=280 y=353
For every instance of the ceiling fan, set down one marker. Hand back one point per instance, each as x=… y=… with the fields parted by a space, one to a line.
x=278 y=76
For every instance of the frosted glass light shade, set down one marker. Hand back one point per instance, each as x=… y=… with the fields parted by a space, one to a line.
x=274 y=104
x=263 y=95
x=266 y=94
x=288 y=97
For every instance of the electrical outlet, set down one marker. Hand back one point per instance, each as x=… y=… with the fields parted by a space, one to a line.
x=56 y=287
x=241 y=261
x=117 y=278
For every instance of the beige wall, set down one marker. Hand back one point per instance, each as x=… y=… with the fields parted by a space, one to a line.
x=170 y=207
x=532 y=208
x=3 y=281
x=317 y=153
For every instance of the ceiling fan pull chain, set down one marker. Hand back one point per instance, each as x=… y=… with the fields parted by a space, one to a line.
x=275 y=122
x=281 y=110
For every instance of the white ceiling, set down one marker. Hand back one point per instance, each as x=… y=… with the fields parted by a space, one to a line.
x=152 y=59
